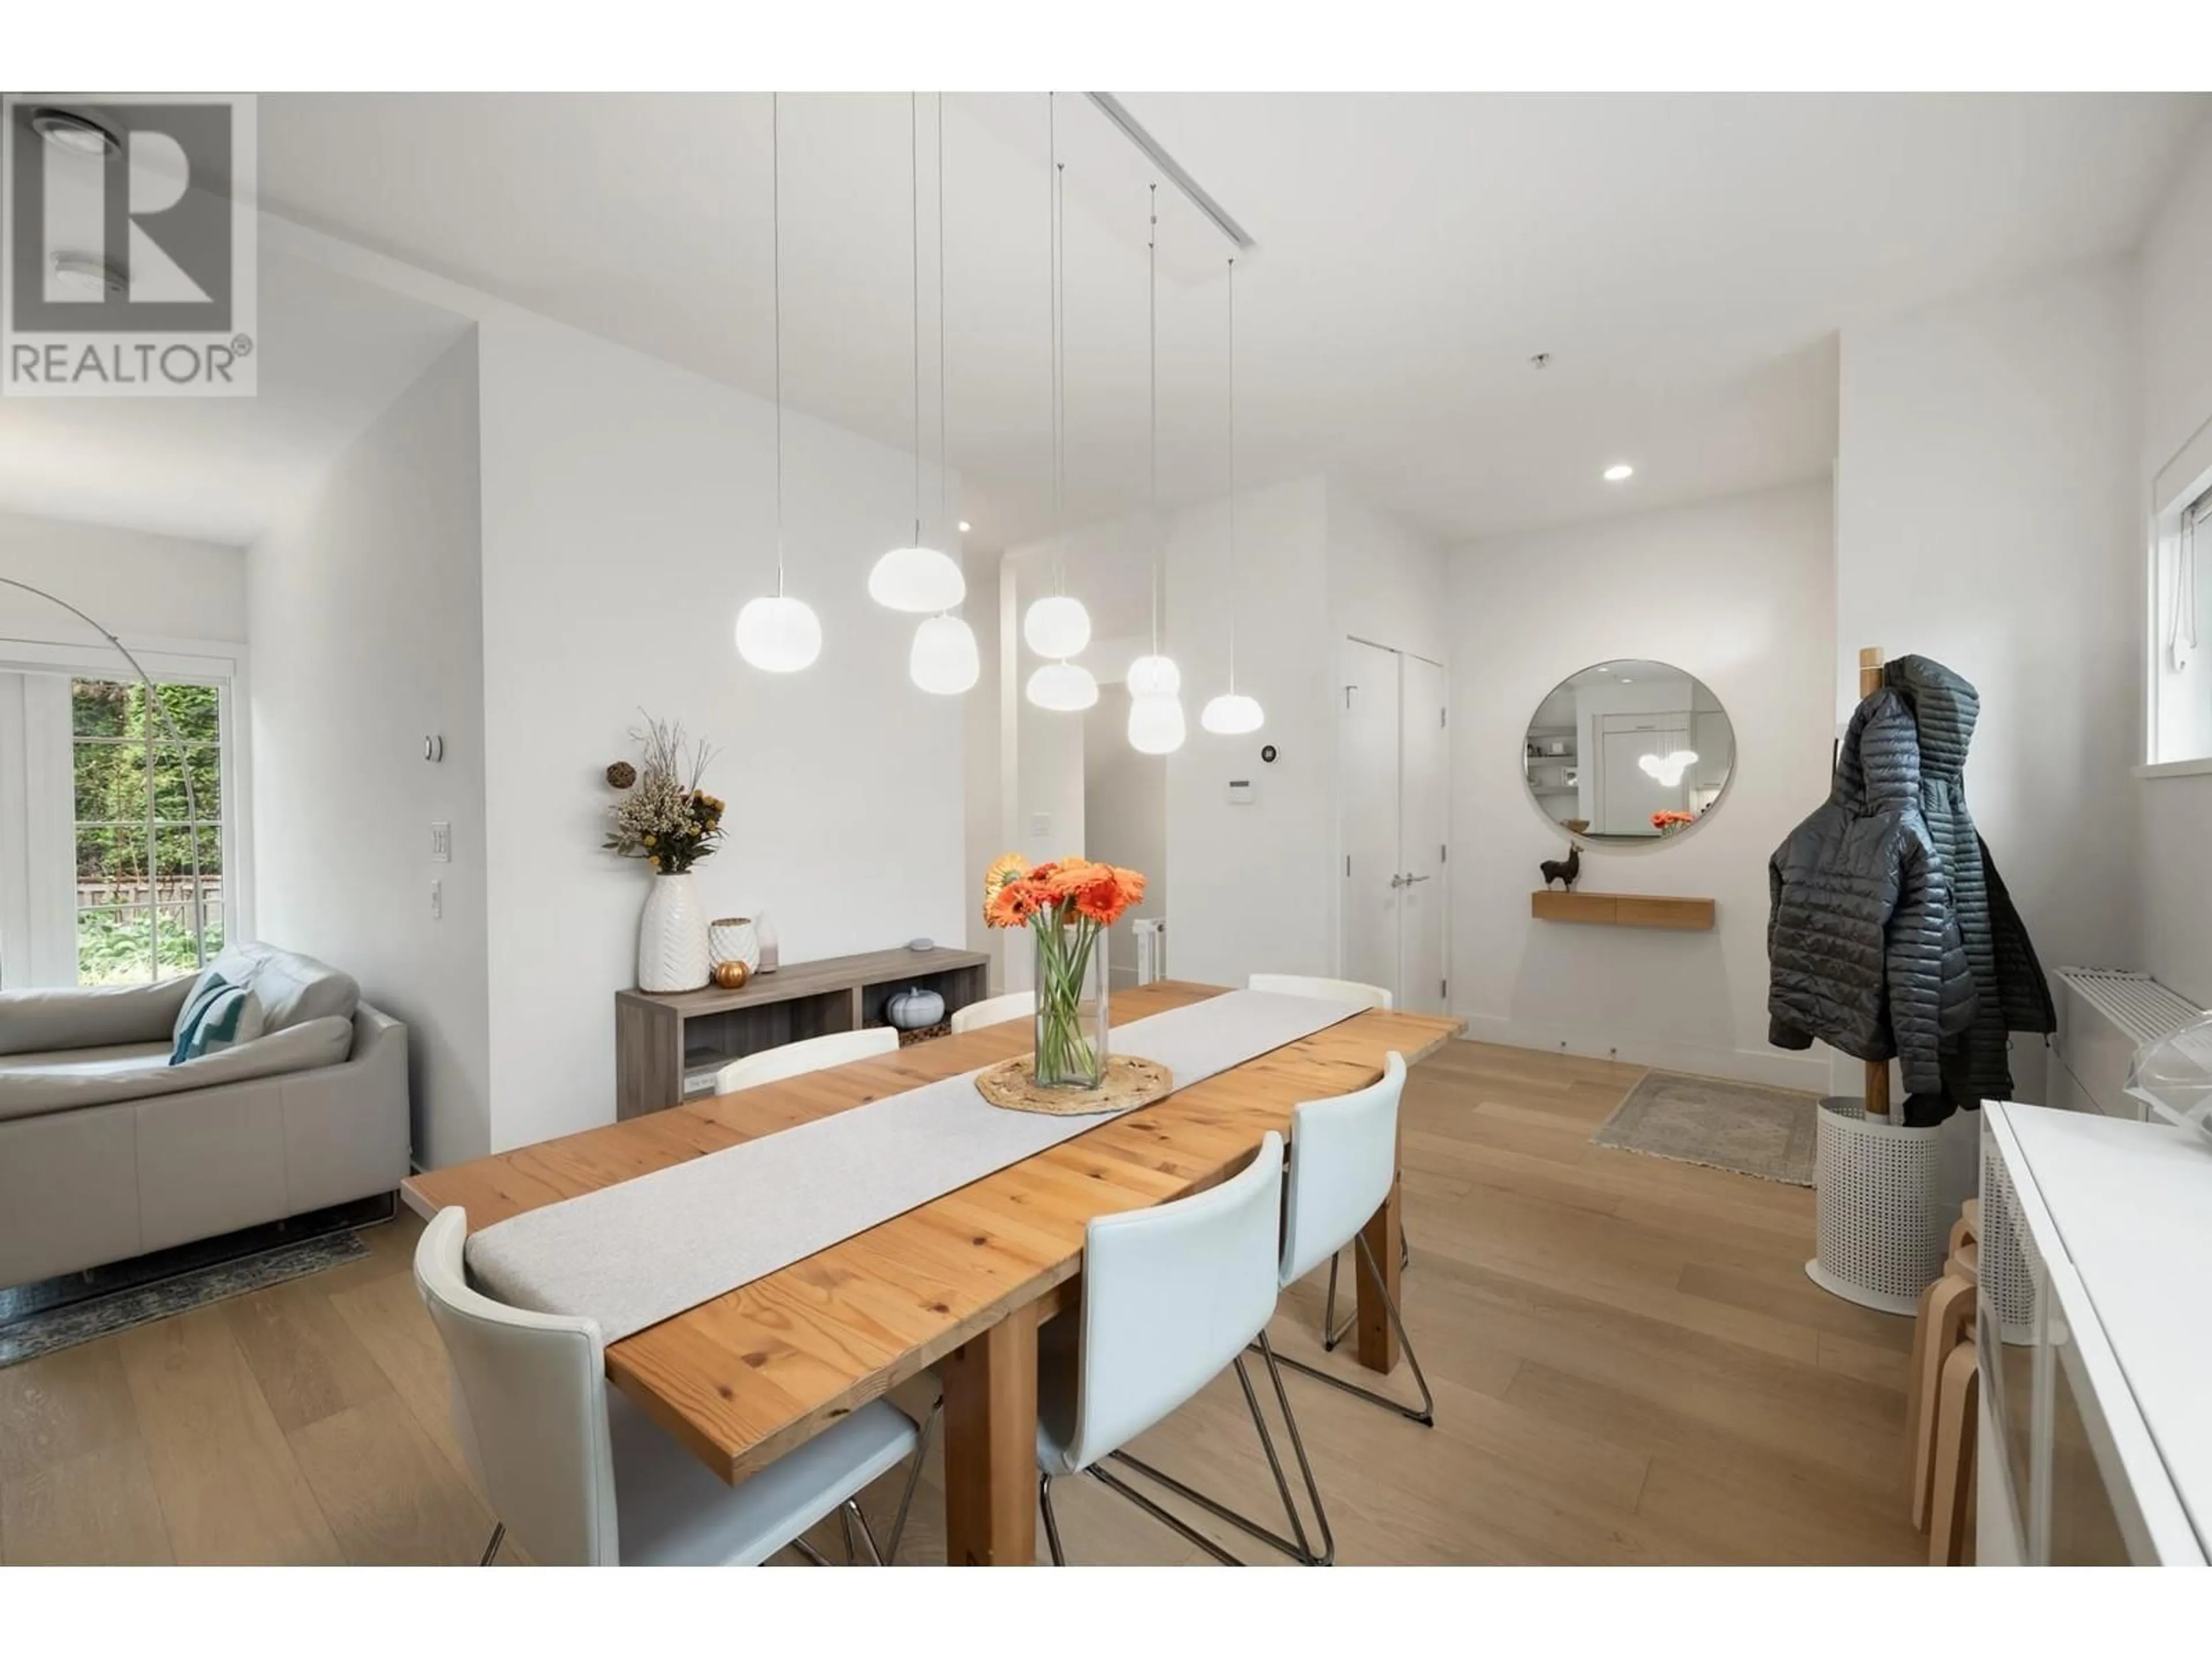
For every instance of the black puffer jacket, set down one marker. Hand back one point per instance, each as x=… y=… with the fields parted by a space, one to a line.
x=1863 y=948
x=2010 y=993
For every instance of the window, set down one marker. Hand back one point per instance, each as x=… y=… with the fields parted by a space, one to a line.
x=106 y=800
x=2181 y=643
x=147 y=805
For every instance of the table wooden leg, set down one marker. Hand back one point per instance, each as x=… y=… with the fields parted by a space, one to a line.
x=1377 y=1342
x=990 y=1445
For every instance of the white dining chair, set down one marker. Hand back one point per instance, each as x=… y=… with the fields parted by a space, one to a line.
x=1368 y=996
x=994 y=1010
x=807 y=1055
x=1343 y=1159
x=583 y=1478
x=1336 y=990
x=1171 y=1296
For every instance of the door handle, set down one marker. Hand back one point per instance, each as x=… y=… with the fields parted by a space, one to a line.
x=1405 y=880
x=1410 y=880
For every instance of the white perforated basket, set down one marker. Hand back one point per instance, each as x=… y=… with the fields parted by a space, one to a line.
x=1884 y=1224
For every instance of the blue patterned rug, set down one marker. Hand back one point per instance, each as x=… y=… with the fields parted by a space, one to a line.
x=60 y=1313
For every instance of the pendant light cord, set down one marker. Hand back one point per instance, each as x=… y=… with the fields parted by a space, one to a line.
x=1152 y=399
x=1232 y=475
x=944 y=430
x=914 y=202
x=775 y=266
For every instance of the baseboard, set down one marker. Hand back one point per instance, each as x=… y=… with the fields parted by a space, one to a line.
x=1773 y=1066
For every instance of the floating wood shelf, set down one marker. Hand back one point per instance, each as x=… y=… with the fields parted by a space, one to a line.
x=1694 y=915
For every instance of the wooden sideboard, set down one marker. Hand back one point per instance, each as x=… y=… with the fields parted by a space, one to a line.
x=659 y=1039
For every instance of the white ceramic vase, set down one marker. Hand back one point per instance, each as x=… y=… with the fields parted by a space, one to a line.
x=671 y=937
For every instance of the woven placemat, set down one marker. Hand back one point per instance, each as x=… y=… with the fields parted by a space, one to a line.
x=1130 y=1082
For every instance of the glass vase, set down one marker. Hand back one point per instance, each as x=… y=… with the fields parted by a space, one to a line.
x=1071 y=1004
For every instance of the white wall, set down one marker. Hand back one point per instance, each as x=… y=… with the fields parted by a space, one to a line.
x=628 y=513
x=1124 y=817
x=2174 y=868
x=1387 y=584
x=367 y=629
x=1739 y=593
x=1254 y=884
x=145 y=587
x=1986 y=491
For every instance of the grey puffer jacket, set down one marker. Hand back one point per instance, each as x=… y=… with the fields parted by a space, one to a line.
x=1863 y=948
x=2010 y=993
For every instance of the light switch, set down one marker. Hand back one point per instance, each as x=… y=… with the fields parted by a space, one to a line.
x=1241 y=792
x=1040 y=823
x=437 y=900
x=441 y=841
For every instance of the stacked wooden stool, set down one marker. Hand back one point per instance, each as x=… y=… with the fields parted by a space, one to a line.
x=1943 y=1407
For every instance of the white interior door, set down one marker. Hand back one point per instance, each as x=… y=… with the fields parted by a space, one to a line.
x=1424 y=829
x=1368 y=752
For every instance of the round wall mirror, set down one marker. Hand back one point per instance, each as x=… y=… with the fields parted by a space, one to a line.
x=1628 y=752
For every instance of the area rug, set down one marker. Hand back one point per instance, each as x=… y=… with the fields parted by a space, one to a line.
x=60 y=1313
x=1754 y=1131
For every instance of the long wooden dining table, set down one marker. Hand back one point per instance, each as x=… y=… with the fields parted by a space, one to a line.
x=960 y=1284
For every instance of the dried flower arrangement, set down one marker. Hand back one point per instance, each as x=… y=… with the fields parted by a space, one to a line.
x=666 y=818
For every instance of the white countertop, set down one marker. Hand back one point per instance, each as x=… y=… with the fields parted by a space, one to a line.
x=2133 y=1204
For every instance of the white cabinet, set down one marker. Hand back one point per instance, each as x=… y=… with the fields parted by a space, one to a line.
x=2095 y=1338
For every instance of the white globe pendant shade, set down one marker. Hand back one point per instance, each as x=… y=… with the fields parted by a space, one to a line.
x=1154 y=676
x=919 y=580
x=778 y=634
x=1056 y=626
x=1064 y=688
x=1156 y=725
x=944 y=659
x=1231 y=714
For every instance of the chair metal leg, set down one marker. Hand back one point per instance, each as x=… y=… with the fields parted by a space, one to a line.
x=1299 y=1547
x=1331 y=1331
x=1174 y=1522
x=1426 y=1413
x=854 y=1521
x=1327 y=1557
x=491 y=1550
x=1051 y=1520
x=813 y=1557
x=913 y=1479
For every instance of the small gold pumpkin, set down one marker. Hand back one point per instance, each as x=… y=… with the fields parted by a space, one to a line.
x=732 y=975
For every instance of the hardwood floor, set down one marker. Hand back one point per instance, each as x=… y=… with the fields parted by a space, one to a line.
x=1629 y=1365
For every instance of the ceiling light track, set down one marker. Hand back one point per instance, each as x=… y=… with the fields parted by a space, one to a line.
x=1170 y=170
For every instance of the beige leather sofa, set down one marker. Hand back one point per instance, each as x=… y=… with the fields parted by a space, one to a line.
x=107 y=1151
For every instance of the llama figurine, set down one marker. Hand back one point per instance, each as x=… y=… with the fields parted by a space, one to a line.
x=1564 y=870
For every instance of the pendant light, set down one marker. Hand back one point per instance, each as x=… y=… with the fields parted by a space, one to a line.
x=944 y=659
x=1156 y=724
x=1232 y=714
x=1057 y=626
x=917 y=578
x=776 y=633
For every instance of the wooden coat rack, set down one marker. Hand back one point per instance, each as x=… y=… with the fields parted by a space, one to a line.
x=1877 y=1071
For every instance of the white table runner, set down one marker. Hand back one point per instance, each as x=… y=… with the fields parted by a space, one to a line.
x=646 y=1249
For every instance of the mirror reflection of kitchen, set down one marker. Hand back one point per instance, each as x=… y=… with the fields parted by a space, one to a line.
x=1628 y=751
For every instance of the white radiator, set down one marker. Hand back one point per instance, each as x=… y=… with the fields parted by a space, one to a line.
x=1152 y=936
x=2105 y=1014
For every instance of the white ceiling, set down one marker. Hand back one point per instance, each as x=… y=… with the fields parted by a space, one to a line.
x=1686 y=259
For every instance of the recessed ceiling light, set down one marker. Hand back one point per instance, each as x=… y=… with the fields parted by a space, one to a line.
x=965 y=526
x=1619 y=472
x=74 y=133
x=87 y=273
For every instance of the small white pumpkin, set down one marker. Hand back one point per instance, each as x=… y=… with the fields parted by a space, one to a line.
x=912 y=1009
